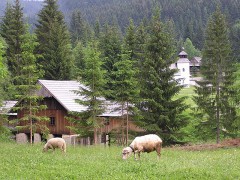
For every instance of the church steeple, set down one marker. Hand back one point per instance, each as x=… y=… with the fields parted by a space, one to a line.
x=182 y=54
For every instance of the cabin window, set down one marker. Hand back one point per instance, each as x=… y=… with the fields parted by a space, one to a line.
x=176 y=65
x=52 y=121
x=183 y=70
x=34 y=120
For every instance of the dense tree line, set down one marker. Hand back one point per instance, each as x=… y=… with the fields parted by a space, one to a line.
x=189 y=16
x=125 y=60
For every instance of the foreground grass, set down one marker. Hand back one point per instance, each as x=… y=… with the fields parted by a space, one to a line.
x=28 y=162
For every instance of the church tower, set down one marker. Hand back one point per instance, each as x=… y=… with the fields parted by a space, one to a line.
x=182 y=65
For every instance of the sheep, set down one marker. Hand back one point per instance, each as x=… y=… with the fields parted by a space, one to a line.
x=147 y=143
x=55 y=143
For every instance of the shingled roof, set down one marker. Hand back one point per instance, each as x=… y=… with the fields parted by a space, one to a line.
x=7 y=106
x=64 y=93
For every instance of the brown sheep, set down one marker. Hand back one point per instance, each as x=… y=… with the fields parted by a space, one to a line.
x=54 y=143
x=147 y=143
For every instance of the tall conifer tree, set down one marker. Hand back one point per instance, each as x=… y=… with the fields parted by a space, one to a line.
x=126 y=88
x=77 y=28
x=27 y=90
x=4 y=131
x=79 y=62
x=160 y=111
x=215 y=93
x=12 y=28
x=111 y=48
x=130 y=39
x=54 y=43
x=93 y=79
x=3 y=68
x=190 y=49
x=235 y=39
x=140 y=40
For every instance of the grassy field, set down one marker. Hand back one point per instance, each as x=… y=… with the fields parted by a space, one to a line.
x=189 y=92
x=82 y=163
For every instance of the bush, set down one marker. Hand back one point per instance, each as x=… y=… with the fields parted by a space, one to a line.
x=5 y=134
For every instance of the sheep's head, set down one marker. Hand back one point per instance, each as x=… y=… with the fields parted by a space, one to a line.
x=126 y=152
x=45 y=148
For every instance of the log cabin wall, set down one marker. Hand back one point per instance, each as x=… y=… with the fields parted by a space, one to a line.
x=56 y=112
x=116 y=123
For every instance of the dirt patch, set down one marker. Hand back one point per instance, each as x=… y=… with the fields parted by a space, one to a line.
x=228 y=143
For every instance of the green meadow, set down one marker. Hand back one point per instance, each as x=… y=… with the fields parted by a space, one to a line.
x=25 y=161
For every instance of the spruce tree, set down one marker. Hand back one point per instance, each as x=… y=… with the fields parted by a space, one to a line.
x=235 y=39
x=140 y=40
x=97 y=29
x=110 y=46
x=130 y=39
x=161 y=112
x=79 y=62
x=12 y=28
x=125 y=87
x=27 y=90
x=190 y=49
x=93 y=79
x=7 y=90
x=3 y=68
x=5 y=28
x=77 y=27
x=4 y=131
x=215 y=93
x=54 y=43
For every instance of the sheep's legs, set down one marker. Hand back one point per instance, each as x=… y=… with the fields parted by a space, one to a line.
x=139 y=155
x=51 y=147
x=158 y=149
x=135 y=156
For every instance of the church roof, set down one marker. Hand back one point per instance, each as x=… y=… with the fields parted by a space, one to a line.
x=183 y=60
x=182 y=53
x=183 y=57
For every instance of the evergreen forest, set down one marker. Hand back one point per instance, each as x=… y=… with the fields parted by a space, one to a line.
x=189 y=17
x=123 y=50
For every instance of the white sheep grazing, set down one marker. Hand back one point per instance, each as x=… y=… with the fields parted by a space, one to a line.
x=147 y=143
x=54 y=143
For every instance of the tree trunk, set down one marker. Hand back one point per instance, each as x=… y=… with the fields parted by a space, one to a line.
x=218 y=123
x=95 y=136
x=31 y=123
x=127 y=127
x=123 y=127
x=218 y=104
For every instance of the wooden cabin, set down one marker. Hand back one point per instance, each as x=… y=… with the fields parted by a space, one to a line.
x=6 y=115
x=195 y=64
x=60 y=99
